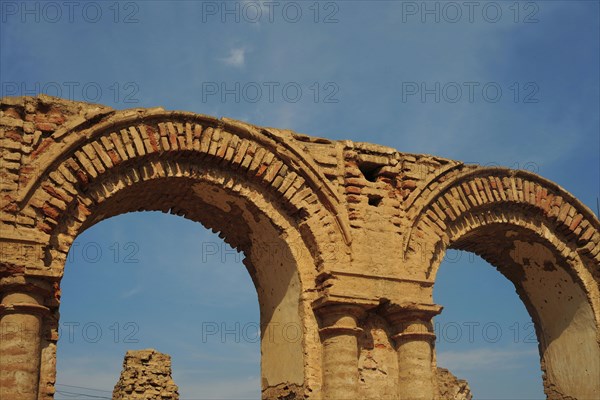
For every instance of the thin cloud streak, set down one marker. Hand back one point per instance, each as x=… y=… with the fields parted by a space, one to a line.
x=483 y=359
x=236 y=58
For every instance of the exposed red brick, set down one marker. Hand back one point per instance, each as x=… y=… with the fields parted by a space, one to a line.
x=45 y=126
x=578 y=218
x=9 y=205
x=409 y=184
x=83 y=209
x=114 y=157
x=56 y=117
x=261 y=169
x=355 y=182
x=353 y=199
x=44 y=227
x=42 y=147
x=12 y=112
x=152 y=137
x=82 y=177
x=353 y=190
x=14 y=135
x=50 y=211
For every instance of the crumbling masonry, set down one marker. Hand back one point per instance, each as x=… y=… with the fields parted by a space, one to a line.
x=341 y=238
x=146 y=375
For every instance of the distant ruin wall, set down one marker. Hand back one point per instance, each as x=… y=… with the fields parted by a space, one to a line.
x=450 y=387
x=146 y=375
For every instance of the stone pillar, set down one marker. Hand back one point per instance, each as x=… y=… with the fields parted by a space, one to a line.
x=339 y=335
x=21 y=318
x=412 y=332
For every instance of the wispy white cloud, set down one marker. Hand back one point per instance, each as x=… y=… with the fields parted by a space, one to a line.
x=131 y=292
x=236 y=58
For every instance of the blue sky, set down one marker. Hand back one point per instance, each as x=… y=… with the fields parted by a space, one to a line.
x=367 y=71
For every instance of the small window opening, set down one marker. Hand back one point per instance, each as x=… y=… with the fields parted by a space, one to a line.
x=369 y=170
x=375 y=200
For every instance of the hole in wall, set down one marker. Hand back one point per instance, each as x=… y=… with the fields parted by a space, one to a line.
x=369 y=170
x=375 y=200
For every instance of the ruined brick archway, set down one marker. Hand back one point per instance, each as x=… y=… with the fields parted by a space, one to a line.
x=544 y=241
x=342 y=238
x=247 y=184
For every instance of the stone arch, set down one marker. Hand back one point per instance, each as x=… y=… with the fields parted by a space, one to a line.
x=253 y=185
x=85 y=148
x=543 y=240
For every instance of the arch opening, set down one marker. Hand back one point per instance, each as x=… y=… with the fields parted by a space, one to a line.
x=545 y=279
x=485 y=334
x=153 y=280
x=543 y=240
x=276 y=256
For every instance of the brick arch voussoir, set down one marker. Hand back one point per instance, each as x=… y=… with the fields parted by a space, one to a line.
x=472 y=197
x=485 y=196
x=484 y=189
x=506 y=217
x=83 y=212
x=264 y=157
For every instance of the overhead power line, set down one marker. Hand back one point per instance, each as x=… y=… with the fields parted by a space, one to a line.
x=83 y=387
x=71 y=395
